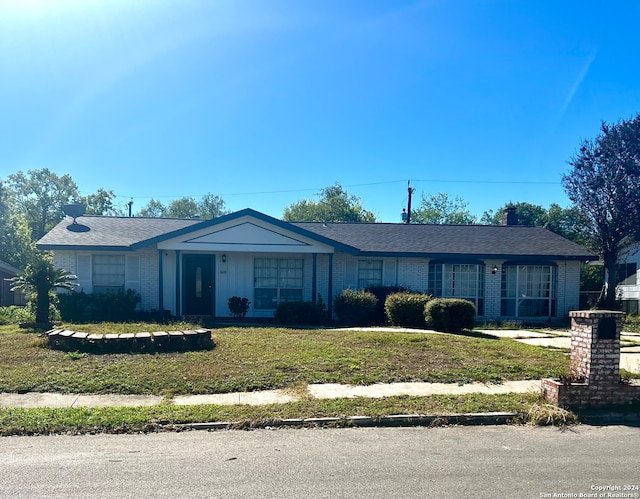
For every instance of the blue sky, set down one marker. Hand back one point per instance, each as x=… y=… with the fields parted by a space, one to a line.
x=266 y=102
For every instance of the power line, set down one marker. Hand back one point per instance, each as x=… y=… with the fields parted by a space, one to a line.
x=318 y=189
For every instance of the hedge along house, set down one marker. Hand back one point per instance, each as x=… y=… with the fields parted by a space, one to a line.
x=192 y=267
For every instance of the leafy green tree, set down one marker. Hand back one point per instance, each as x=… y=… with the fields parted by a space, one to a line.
x=212 y=207
x=153 y=209
x=335 y=205
x=186 y=207
x=566 y=222
x=101 y=203
x=532 y=215
x=39 y=279
x=40 y=195
x=16 y=245
x=441 y=209
x=604 y=186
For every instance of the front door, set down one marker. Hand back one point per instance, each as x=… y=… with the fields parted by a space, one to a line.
x=197 y=284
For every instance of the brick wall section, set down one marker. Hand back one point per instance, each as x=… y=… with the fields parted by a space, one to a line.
x=149 y=279
x=585 y=395
x=413 y=273
x=65 y=260
x=597 y=360
x=492 y=289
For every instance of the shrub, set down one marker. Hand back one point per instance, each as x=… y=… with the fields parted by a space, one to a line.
x=82 y=307
x=381 y=293
x=300 y=312
x=406 y=309
x=238 y=306
x=449 y=314
x=355 y=307
x=14 y=314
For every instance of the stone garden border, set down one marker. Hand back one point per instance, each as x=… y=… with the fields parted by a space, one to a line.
x=143 y=342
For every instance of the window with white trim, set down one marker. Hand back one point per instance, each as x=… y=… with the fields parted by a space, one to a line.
x=458 y=280
x=528 y=291
x=276 y=280
x=369 y=273
x=108 y=273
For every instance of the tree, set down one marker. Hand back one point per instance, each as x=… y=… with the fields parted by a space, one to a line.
x=532 y=215
x=440 y=209
x=566 y=222
x=16 y=246
x=40 y=278
x=40 y=195
x=335 y=205
x=604 y=186
x=154 y=209
x=101 y=203
x=212 y=207
x=186 y=207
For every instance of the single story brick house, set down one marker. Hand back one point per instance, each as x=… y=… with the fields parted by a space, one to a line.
x=192 y=267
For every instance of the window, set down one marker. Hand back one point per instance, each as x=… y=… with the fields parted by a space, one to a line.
x=108 y=273
x=458 y=280
x=276 y=280
x=369 y=273
x=528 y=290
x=626 y=274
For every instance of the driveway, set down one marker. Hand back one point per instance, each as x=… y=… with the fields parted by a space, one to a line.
x=629 y=343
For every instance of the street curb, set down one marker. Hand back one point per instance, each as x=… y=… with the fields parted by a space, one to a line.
x=399 y=420
x=605 y=418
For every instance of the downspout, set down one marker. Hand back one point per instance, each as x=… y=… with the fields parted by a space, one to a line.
x=330 y=288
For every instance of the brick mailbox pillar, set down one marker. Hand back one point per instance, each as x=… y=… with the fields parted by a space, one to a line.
x=595 y=363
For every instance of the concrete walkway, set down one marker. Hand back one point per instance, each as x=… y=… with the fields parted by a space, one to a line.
x=317 y=391
x=629 y=343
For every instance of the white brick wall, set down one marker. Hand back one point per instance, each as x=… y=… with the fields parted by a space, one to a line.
x=411 y=273
x=65 y=260
x=149 y=279
x=492 y=289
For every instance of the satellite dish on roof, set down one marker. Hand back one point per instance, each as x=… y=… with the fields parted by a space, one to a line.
x=74 y=210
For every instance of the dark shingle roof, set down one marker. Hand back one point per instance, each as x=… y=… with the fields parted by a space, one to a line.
x=110 y=232
x=436 y=240
x=465 y=241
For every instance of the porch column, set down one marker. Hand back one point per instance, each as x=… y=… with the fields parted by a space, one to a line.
x=178 y=287
x=330 y=288
x=314 y=284
x=160 y=283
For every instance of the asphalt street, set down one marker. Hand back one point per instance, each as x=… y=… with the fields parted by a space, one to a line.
x=450 y=462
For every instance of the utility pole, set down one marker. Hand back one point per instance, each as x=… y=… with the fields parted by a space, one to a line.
x=411 y=190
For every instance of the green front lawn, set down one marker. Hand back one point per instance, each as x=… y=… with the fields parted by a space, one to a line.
x=257 y=358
